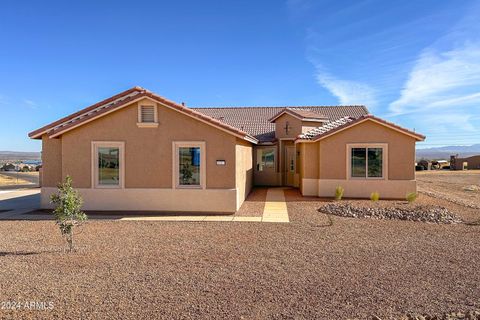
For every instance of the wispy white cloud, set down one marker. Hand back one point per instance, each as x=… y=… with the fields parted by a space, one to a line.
x=348 y=92
x=30 y=103
x=438 y=79
x=443 y=122
x=442 y=89
x=422 y=71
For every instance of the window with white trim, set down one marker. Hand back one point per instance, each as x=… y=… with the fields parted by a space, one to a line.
x=265 y=159
x=189 y=168
x=367 y=162
x=107 y=164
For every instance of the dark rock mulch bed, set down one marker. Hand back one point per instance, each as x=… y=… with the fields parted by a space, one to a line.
x=471 y=315
x=423 y=213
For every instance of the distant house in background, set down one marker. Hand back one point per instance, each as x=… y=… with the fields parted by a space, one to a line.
x=8 y=167
x=208 y=159
x=469 y=163
x=440 y=164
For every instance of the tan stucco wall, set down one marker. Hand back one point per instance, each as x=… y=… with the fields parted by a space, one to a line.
x=51 y=161
x=324 y=163
x=388 y=189
x=160 y=199
x=148 y=151
x=309 y=125
x=243 y=170
x=401 y=151
x=310 y=160
x=294 y=124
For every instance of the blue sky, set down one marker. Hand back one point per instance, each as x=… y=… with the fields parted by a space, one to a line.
x=416 y=63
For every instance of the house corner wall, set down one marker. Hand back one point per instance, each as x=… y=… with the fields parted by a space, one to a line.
x=243 y=170
x=51 y=161
x=325 y=164
x=310 y=154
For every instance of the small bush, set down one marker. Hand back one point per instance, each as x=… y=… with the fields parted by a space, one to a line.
x=339 y=193
x=411 y=197
x=375 y=196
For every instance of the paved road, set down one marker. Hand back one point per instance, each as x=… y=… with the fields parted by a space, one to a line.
x=32 y=178
x=18 y=201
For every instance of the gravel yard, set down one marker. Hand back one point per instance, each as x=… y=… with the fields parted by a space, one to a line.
x=459 y=186
x=314 y=267
x=253 y=205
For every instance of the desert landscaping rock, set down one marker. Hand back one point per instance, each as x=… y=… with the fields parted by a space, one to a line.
x=472 y=188
x=423 y=213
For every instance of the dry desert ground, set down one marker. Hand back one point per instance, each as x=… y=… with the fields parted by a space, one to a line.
x=316 y=266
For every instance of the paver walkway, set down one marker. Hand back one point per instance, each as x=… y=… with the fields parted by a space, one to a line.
x=20 y=202
x=275 y=210
x=275 y=206
x=220 y=218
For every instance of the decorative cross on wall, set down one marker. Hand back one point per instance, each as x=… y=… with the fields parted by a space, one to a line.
x=287 y=128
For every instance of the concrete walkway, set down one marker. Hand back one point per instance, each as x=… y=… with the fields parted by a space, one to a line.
x=275 y=206
x=210 y=218
x=14 y=203
x=19 y=202
x=275 y=210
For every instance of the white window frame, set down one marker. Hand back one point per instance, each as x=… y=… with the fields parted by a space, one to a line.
x=383 y=146
x=176 y=145
x=105 y=144
x=274 y=147
x=141 y=124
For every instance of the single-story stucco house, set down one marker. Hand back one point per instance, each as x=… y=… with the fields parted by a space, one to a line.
x=208 y=159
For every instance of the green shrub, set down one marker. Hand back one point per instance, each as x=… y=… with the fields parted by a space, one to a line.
x=67 y=211
x=411 y=197
x=339 y=193
x=375 y=196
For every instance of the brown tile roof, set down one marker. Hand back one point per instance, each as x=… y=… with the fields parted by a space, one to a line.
x=256 y=120
x=83 y=111
x=332 y=127
x=325 y=128
x=302 y=114
x=251 y=123
x=108 y=105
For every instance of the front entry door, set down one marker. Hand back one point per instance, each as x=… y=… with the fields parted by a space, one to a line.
x=289 y=165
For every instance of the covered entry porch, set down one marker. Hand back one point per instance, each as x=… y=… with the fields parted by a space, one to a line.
x=275 y=164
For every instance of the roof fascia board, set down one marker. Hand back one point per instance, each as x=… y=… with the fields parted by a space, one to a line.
x=79 y=113
x=362 y=121
x=313 y=120
x=56 y=134
x=281 y=113
x=250 y=139
x=293 y=114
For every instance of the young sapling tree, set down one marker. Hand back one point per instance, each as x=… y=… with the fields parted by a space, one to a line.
x=68 y=213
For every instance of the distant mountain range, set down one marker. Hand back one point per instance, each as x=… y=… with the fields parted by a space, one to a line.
x=446 y=152
x=18 y=155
